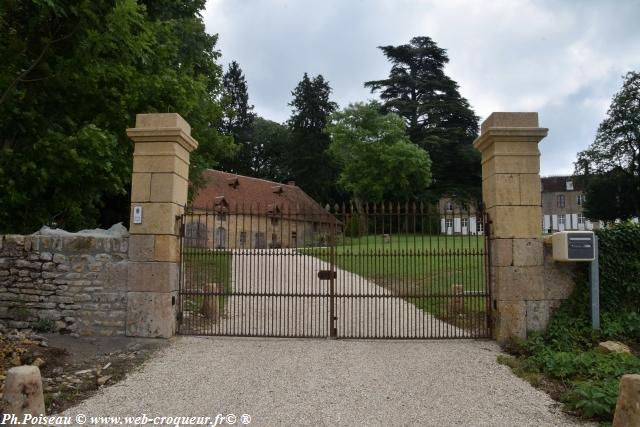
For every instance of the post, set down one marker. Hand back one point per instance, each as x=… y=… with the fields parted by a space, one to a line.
x=159 y=183
x=594 y=282
x=511 y=193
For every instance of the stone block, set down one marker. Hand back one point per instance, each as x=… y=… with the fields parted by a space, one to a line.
x=510 y=321
x=510 y=120
x=157 y=218
x=501 y=190
x=152 y=277
x=530 y=190
x=160 y=164
x=140 y=187
x=23 y=393
x=537 y=315
x=162 y=120
x=168 y=187
x=518 y=283
x=559 y=278
x=527 y=252
x=501 y=252
x=511 y=164
x=167 y=248
x=516 y=222
x=115 y=275
x=162 y=149
x=628 y=406
x=151 y=314
x=141 y=247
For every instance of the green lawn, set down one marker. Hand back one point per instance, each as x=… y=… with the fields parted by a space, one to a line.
x=421 y=269
x=201 y=267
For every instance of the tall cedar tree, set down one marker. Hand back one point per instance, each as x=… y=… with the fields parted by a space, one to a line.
x=270 y=144
x=308 y=161
x=238 y=122
x=438 y=118
x=74 y=76
x=610 y=167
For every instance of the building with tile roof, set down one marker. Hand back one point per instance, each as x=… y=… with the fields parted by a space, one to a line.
x=236 y=211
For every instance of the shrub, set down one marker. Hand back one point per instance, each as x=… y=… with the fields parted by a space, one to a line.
x=594 y=399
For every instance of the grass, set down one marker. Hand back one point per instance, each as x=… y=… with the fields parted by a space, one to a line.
x=203 y=267
x=422 y=269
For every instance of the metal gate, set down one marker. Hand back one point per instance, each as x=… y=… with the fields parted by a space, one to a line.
x=360 y=271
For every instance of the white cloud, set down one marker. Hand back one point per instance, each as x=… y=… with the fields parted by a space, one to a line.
x=561 y=58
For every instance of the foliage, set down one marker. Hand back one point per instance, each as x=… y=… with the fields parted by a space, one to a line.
x=438 y=118
x=610 y=167
x=566 y=352
x=377 y=161
x=74 y=75
x=307 y=159
x=270 y=143
x=238 y=121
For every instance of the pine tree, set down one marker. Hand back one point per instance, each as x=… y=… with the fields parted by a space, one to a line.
x=308 y=161
x=438 y=118
x=238 y=120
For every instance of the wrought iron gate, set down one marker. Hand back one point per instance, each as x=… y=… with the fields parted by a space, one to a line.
x=372 y=271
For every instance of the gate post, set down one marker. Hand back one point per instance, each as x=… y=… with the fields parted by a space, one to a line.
x=159 y=183
x=511 y=190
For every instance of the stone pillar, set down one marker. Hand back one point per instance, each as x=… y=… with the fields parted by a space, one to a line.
x=628 y=406
x=23 y=394
x=511 y=194
x=163 y=144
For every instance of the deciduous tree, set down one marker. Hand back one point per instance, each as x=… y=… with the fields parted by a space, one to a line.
x=74 y=75
x=610 y=167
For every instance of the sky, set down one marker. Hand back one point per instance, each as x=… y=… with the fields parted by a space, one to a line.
x=564 y=59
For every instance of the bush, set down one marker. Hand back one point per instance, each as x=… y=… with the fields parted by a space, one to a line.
x=565 y=352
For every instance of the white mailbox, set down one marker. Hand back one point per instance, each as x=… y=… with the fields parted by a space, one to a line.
x=573 y=246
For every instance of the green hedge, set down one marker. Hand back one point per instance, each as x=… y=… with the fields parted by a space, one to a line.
x=565 y=353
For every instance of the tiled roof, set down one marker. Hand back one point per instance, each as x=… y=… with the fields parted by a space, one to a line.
x=243 y=194
x=552 y=184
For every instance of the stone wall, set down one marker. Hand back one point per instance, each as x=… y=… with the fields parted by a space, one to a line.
x=70 y=283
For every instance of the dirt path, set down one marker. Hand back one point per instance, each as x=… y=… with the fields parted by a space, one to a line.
x=285 y=382
x=291 y=273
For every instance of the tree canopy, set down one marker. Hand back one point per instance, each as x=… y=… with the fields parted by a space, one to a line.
x=610 y=167
x=307 y=160
x=74 y=75
x=376 y=158
x=438 y=118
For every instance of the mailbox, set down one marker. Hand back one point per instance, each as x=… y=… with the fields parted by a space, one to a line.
x=573 y=246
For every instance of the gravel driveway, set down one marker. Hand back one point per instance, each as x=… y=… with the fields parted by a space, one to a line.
x=374 y=313
x=282 y=382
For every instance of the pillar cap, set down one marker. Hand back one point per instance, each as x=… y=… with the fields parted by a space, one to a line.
x=163 y=127
x=511 y=126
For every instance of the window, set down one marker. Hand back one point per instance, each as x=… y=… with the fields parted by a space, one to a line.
x=580 y=219
x=274 y=221
x=449 y=206
x=580 y=199
x=562 y=220
x=222 y=217
x=479 y=225
x=465 y=222
x=560 y=200
x=294 y=238
x=569 y=185
x=243 y=239
x=448 y=223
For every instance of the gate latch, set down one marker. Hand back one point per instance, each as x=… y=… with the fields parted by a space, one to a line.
x=327 y=274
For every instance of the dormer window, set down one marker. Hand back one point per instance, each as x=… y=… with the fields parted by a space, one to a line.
x=569 y=185
x=233 y=182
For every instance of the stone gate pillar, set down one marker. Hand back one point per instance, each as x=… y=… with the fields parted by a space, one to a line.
x=511 y=193
x=163 y=144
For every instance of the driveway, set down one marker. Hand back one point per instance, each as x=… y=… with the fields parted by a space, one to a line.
x=374 y=312
x=282 y=382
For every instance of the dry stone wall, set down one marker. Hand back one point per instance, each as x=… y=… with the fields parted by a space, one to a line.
x=70 y=283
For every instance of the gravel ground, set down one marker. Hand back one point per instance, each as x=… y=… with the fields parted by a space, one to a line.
x=330 y=382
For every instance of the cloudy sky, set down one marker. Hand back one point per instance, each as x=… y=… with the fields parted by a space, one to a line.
x=564 y=59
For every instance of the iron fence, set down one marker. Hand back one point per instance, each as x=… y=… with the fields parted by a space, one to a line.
x=369 y=271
